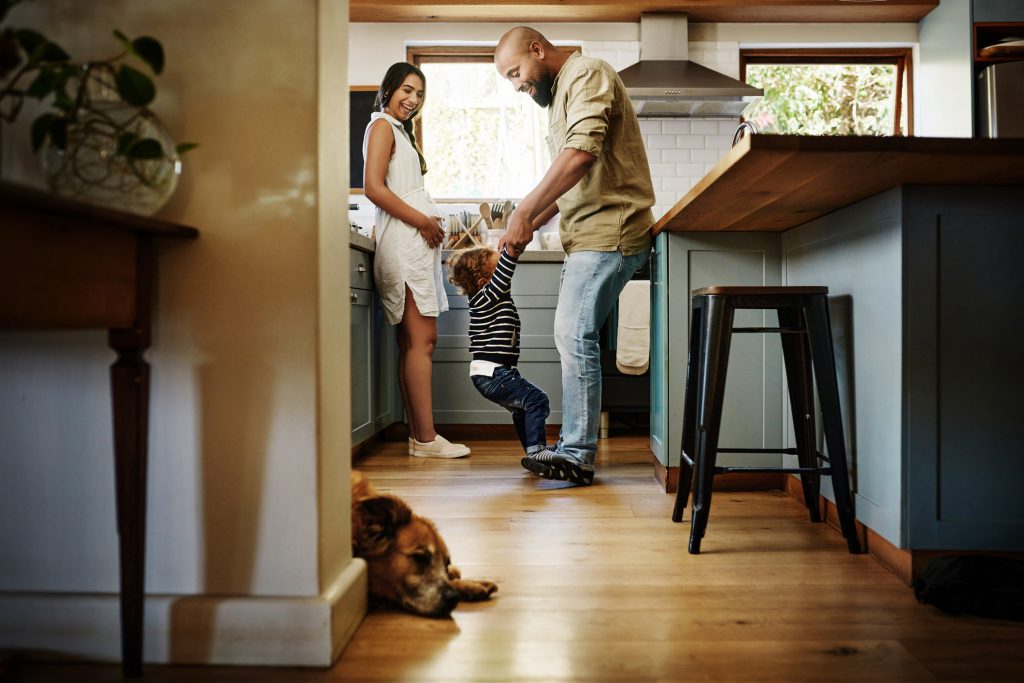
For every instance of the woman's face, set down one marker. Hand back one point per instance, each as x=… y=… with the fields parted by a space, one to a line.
x=407 y=98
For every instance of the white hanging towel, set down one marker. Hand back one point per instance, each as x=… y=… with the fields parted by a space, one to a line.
x=633 y=345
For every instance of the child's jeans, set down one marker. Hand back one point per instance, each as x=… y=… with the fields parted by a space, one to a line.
x=528 y=403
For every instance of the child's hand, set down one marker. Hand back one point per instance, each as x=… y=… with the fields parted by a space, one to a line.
x=431 y=231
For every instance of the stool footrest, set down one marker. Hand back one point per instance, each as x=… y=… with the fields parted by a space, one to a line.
x=784 y=451
x=776 y=330
x=779 y=470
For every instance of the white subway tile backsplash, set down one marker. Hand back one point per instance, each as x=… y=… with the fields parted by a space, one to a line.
x=728 y=128
x=676 y=184
x=678 y=126
x=689 y=141
x=703 y=155
x=650 y=126
x=675 y=155
x=660 y=169
x=689 y=170
x=718 y=141
x=704 y=126
x=661 y=141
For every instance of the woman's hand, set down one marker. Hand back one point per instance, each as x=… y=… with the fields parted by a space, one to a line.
x=431 y=231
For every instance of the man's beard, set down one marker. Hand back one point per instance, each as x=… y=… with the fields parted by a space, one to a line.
x=542 y=90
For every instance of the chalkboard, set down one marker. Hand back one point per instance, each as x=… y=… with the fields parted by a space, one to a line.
x=360 y=106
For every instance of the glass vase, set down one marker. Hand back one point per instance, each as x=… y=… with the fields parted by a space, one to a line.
x=90 y=169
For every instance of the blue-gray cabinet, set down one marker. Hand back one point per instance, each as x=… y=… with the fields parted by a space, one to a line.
x=376 y=402
x=753 y=410
x=926 y=293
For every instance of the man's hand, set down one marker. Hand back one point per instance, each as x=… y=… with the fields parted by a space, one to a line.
x=518 y=233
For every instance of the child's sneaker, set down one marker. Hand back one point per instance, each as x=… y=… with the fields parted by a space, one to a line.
x=440 y=447
x=559 y=467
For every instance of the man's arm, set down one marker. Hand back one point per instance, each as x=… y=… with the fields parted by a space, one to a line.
x=568 y=168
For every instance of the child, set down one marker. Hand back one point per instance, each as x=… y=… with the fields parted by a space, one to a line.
x=486 y=278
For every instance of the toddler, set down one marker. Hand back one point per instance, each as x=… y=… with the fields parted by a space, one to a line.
x=486 y=278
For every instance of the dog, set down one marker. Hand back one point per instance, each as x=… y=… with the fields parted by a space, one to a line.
x=407 y=559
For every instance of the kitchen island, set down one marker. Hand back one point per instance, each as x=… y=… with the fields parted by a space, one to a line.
x=918 y=241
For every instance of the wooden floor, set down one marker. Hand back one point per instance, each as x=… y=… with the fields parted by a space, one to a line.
x=596 y=585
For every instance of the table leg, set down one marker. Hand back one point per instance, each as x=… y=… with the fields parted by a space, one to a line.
x=129 y=383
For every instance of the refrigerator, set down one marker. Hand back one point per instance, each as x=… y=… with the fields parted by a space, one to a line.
x=1000 y=101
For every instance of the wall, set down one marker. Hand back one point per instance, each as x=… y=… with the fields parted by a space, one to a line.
x=249 y=353
x=680 y=151
x=944 y=87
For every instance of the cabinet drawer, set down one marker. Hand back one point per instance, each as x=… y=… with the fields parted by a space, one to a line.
x=360 y=265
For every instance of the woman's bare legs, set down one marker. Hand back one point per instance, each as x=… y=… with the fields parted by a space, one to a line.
x=417 y=335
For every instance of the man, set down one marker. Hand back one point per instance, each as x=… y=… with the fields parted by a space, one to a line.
x=600 y=182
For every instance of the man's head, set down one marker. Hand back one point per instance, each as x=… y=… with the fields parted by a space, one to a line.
x=530 y=62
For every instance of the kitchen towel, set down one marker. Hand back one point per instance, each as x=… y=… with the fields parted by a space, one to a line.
x=633 y=345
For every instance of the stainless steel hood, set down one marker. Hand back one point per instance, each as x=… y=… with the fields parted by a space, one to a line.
x=666 y=83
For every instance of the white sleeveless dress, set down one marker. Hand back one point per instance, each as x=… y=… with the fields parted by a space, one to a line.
x=402 y=256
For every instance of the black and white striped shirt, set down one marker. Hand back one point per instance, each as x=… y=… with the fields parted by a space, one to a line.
x=493 y=318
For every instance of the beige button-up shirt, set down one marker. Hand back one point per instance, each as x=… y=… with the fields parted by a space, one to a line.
x=610 y=208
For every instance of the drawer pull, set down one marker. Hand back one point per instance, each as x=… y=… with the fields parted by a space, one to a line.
x=360 y=268
x=353 y=297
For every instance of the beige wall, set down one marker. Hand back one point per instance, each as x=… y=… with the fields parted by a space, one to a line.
x=235 y=492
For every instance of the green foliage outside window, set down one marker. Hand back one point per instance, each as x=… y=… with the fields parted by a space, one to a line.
x=480 y=137
x=824 y=99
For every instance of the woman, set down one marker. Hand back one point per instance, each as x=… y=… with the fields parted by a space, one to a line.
x=407 y=263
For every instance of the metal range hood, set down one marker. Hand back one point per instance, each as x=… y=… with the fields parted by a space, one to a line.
x=666 y=83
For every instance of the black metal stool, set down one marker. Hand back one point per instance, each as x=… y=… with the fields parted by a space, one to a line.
x=806 y=342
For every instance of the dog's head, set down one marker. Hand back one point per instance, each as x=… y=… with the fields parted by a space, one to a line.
x=405 y=555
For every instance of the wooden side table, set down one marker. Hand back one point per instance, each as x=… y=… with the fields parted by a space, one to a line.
x=66 y=265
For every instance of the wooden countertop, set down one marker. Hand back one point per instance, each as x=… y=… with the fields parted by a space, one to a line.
x=771 y=183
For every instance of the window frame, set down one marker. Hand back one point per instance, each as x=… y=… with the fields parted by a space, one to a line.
x=900 y=57
x=417 y=55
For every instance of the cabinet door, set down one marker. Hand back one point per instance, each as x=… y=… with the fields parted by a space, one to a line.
x=387 y=403
x=361 y=345
x=752 y=412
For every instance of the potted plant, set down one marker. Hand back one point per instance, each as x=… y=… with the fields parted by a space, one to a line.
x=98 y=139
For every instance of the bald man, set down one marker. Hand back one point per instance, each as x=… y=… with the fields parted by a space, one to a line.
x=600 y=183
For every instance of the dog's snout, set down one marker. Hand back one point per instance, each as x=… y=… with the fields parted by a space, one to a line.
x=450 y=597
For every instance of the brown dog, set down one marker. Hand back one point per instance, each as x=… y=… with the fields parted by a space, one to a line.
x=408 y=560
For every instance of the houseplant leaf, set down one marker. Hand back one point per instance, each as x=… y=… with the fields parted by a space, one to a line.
x=151 y=52
x=134 y=87
x=146 y=48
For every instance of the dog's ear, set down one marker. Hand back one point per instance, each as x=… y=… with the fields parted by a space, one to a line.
x=375 y=521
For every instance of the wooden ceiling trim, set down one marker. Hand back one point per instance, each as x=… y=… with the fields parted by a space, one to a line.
x=702 y=11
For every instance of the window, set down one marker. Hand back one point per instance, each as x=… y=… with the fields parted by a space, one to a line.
x=481 y=139
x=830 y=92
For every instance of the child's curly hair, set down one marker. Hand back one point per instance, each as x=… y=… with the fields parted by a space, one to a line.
x=466 y=267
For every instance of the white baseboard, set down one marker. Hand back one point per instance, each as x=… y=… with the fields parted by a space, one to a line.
x=201 y=629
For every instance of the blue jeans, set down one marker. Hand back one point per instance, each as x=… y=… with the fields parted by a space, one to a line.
x=527 y=402
x=590 y=287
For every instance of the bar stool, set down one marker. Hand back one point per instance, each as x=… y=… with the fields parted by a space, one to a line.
x=806 y=342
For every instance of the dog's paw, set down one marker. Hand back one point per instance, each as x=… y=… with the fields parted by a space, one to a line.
x=474 y=591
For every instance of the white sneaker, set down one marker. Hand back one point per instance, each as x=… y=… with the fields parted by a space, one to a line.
x=440 y=447
x=411 y=442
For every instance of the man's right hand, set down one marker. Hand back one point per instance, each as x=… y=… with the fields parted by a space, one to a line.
x=518 y=233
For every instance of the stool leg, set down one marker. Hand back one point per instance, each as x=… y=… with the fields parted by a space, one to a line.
x=823 y=356
x=687 y=450
x=797 y=356
x=716 y=340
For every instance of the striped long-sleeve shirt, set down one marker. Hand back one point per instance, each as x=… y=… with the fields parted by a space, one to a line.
x=493 y=318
